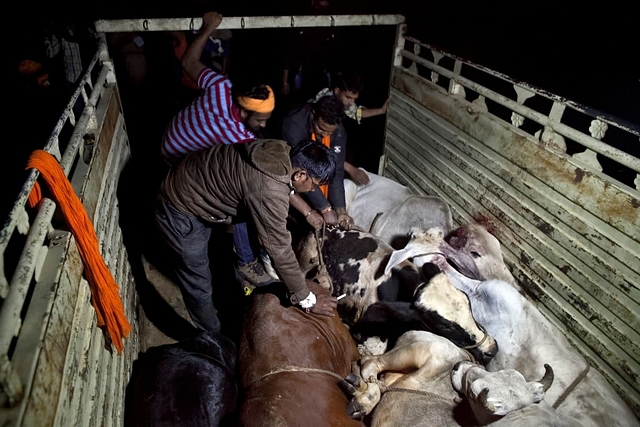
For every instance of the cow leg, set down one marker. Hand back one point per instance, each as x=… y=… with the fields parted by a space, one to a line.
x=414 y=350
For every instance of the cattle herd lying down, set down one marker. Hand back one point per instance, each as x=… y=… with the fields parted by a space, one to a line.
x=458 y=342
x=421 y=380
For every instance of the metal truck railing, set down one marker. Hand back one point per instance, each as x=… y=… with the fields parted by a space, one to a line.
x=558 y=181
x=50 y=345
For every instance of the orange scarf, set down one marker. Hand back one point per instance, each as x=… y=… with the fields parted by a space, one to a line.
x=104 y=289
x=326 y=141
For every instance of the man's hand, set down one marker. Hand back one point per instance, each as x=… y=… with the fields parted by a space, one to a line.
x=325 y=305
x=211 y=21
x=315 y=220
x=345 y=221
x=385 y=106
x=330 y=217
x=357 y=175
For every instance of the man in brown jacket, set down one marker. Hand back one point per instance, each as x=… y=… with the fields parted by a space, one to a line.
x=211 y=186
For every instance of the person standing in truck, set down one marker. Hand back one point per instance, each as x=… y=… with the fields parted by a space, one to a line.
x=347 y=86
x=321 y=121
x=216 y=117
x=212 y=186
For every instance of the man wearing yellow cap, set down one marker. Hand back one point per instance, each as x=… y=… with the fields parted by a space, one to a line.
x=218 y=117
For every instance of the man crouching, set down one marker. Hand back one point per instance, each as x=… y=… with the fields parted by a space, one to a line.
x=213 y=186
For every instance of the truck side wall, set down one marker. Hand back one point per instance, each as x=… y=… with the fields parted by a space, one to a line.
x=71 y=374
x=569 y=233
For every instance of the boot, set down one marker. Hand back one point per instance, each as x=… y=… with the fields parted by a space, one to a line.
x=254 y=273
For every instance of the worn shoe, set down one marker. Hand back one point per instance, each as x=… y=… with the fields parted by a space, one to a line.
x=254 y=274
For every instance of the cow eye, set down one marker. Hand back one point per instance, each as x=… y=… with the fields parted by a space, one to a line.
x=475 y=254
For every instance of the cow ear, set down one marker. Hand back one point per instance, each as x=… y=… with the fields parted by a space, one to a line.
x=404 y=254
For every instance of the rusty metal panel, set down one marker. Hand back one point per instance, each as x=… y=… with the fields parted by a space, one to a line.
x=570 y=235
x=71 y=376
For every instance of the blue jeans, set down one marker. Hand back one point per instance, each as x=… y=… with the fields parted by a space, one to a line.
x=187 y=238
x=242 y=243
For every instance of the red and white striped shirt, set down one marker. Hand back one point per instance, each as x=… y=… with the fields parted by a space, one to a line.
x=209 y=120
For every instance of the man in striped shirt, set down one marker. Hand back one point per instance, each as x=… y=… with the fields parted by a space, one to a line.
x=219 y=117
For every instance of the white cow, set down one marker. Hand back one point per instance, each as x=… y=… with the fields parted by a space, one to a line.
x=506 y=398
x=417 y=384
x=484 y=248
x=390 y=210
x=527 y=340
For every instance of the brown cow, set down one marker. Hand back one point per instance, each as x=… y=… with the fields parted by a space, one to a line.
x=292 y=363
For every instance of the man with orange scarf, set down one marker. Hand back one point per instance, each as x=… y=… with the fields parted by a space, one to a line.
x=218 y=117
x=321 y=121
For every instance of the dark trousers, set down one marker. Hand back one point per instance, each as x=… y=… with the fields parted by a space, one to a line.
x=187 y=240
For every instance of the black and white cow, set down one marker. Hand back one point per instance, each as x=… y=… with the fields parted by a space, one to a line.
x=189 y=383
x=355 y=261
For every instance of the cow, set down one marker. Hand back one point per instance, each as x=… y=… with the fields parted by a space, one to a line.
x=189 y=383
x=506 y=398
x=470 y=242
x=413 y=385
x=527 y=340
x=476 y=240
x=355 y=261
x=390 y=210
x=526 y=337
x=291 y=364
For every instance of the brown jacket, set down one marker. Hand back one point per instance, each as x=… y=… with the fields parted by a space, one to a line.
x=213 y=184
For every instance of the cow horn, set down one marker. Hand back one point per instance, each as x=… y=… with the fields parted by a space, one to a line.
x=482 y=398
x=410 y=251
x=462 y=261
x=547 y=379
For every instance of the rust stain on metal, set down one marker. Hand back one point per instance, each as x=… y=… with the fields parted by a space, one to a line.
x=525 y=258
x=545 y=227
x=628 y=371
x=579 y=175
x=579 y=304
x=565 y=269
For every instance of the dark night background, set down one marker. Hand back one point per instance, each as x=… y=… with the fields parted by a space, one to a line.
x=578 y=51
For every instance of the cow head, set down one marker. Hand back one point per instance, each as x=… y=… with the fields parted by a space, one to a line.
x=429 y=246
x=492 y=395
x=446 y=310
x=475 y=241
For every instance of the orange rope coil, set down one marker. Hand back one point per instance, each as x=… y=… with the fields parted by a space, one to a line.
x=104 y=289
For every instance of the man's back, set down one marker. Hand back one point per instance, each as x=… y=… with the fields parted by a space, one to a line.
x=210 y=119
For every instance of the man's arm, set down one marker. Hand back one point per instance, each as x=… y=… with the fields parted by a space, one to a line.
x=370 y=112
x=191 y=60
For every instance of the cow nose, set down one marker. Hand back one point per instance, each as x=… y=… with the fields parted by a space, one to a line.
x=490 y=353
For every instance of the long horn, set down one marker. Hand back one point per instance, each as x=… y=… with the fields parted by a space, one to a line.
x=547 y=379
x=410 y=251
